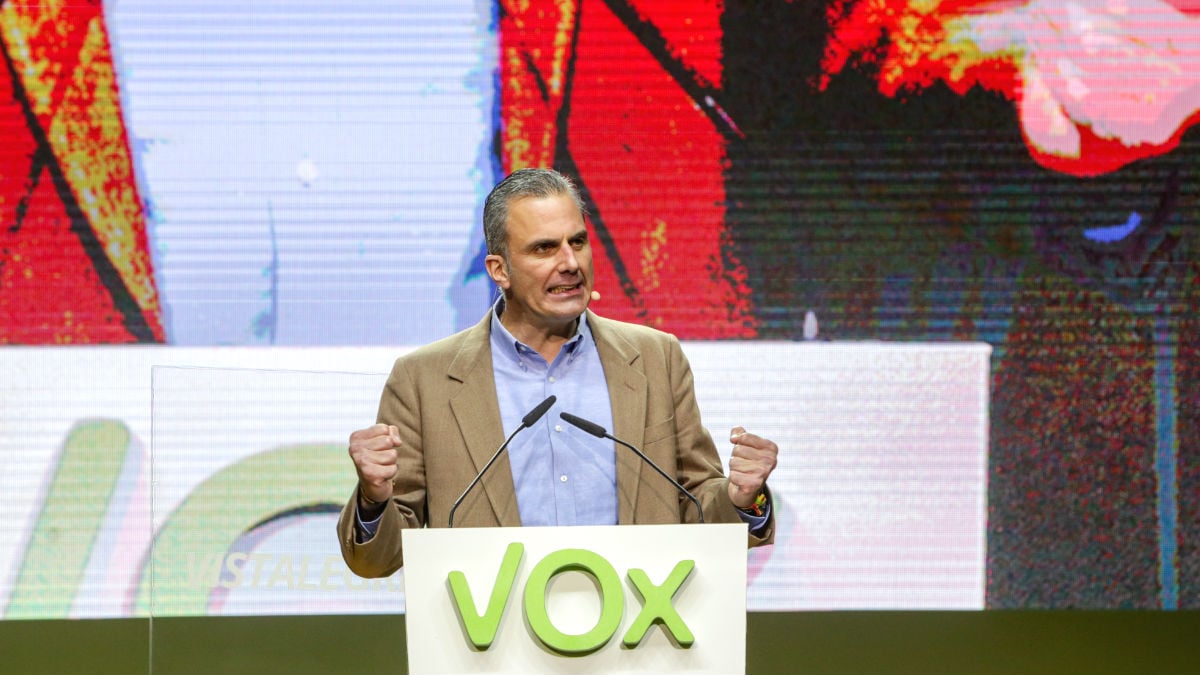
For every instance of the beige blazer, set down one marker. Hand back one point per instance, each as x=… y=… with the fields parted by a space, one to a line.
x=442 y=397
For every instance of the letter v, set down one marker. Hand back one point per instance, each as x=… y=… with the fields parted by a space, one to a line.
x=480 y=630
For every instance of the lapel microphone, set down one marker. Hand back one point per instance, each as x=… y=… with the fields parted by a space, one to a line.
x=527 y=421
x=599 y=432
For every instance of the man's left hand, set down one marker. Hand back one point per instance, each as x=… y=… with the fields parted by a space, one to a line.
x=753 y=460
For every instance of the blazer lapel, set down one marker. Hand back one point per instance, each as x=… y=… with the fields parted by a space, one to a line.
x=477 y=413
x=627 y=395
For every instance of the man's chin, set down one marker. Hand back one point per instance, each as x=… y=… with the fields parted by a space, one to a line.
x=570 y=307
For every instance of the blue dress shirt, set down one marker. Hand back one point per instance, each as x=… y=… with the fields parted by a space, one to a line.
x=562 y=475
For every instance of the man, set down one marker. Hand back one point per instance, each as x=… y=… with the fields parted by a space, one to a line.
x=449 y=405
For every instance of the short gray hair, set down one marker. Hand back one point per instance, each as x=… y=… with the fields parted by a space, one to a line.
x=533 y=182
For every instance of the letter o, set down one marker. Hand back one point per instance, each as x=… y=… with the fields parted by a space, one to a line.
x=612 y=601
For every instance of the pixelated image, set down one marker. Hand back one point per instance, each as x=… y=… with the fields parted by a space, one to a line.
x=1020 y=173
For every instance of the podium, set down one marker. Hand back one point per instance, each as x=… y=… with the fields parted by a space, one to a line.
x=617 y=599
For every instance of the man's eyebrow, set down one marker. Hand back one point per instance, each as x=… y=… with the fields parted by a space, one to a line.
x=553 y=241
x=538 y=243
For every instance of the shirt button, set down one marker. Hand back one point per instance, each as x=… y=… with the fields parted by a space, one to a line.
x=551 y=379
x=563 y=478
x=558 y=427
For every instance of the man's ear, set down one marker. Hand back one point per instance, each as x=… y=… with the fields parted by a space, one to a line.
x=497 y=269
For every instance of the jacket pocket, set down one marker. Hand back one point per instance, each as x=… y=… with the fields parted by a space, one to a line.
x=659 y=431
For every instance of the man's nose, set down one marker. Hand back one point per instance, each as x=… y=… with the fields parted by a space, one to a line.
x=567 y=262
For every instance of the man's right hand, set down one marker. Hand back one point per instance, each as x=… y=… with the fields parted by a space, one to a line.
x=374 y=453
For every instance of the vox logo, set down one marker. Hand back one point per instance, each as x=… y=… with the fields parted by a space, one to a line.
x=657 y=607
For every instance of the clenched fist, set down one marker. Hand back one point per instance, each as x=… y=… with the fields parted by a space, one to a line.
x=374 y=453
x=753 y=460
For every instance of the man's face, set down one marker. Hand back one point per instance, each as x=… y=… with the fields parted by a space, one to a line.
x=548 y=275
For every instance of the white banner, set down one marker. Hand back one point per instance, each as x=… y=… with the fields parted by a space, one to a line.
x=880 y=491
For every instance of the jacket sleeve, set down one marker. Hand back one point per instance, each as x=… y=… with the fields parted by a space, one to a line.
x=699 y=464
x=383 y=554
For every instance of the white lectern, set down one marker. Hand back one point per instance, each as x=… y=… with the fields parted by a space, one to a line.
x=621 y=599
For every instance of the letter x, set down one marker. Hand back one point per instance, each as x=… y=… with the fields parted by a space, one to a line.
x=657 y=607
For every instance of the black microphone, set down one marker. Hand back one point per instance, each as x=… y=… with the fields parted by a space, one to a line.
x=527 y=421
x=599 y=432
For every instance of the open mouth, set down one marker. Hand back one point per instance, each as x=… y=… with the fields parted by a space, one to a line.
x=564 y=290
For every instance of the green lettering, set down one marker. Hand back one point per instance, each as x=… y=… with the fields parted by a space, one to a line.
x=481 y=629
x=657 y=607
x=612 y=598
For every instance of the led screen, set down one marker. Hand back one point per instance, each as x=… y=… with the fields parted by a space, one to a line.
x=1011 y=176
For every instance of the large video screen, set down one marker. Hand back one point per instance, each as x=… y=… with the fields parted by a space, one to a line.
x=1014 y=179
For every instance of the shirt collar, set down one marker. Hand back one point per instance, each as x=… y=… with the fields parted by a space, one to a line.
x=504 y=345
